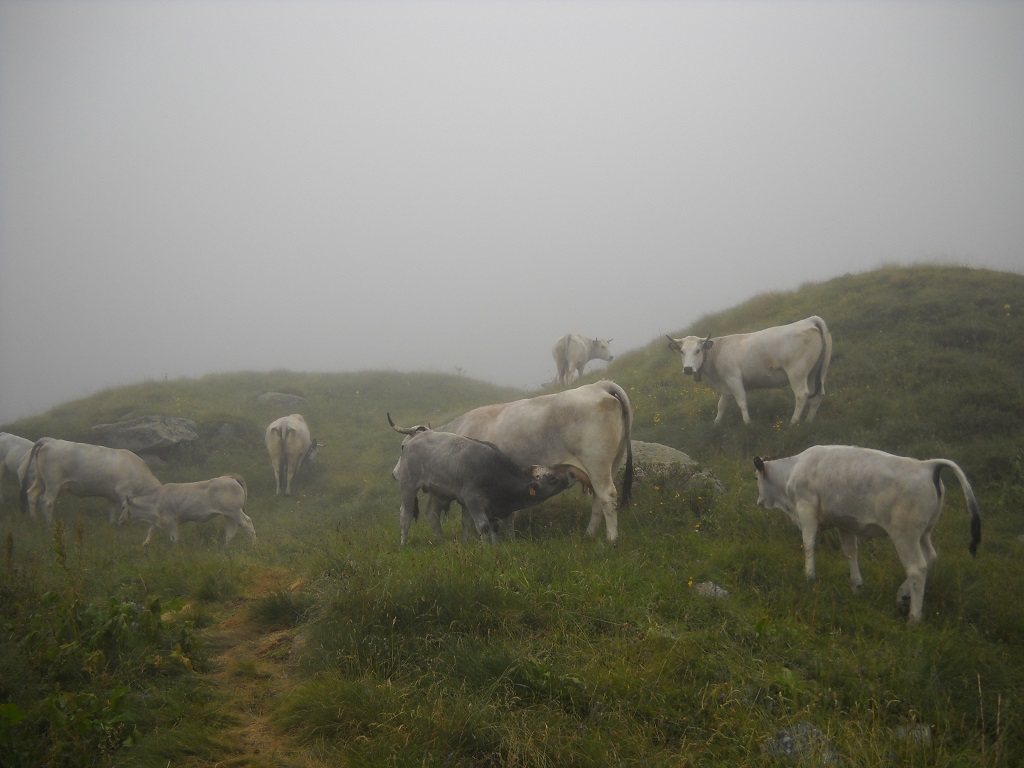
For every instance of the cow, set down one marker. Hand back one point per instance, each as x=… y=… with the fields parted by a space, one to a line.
x=797 y=354
x=55 y=466
x=864 y=492
x=485 y=481
x=171 y=504
x=289 y=444
x=586 y=429
x=573 y=351
x=13 y=451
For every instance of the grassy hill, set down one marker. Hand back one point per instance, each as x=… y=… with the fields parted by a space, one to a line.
x=327 y=644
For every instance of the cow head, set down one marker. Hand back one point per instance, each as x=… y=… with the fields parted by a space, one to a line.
x=692 y=351
x=599 y=350
x=549 y=481
x=769 y=493
x=409 y=433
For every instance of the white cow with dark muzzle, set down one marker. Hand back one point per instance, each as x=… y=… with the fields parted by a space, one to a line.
x=865 y=493
x=487 y=484
x=573 y=351
x=797 y=354
x=172 y=504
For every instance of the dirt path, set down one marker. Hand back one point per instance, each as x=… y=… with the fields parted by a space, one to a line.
x=251 y=666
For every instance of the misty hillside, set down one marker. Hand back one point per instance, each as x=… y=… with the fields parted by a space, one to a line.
x=927 y=360
x=552 y=649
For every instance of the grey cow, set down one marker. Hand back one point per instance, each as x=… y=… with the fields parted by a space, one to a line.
x=487 y=483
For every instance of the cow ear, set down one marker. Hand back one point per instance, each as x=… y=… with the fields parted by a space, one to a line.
x=708 y=343
x=533 y=487
x=759 y=464
x=673 y=344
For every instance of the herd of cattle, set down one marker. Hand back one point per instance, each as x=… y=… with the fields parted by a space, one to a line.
x=498 y=459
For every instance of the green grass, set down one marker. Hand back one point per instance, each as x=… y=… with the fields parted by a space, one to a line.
x=552 y=649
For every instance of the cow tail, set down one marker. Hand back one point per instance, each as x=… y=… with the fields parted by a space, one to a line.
x=619 y=394
x=245 y=490
x=821 y=368
x=282 y=459
x=25 y=484
x=972 y=502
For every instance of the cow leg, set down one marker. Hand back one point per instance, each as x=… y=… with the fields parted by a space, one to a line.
x=34 y=492
x=405 y=517
x=230 y=528
x=806 y=513
x=247 y=524
x=149 y=536
x=848 y=542
x=815 y=404
x=912 y=590
x=434 y=509
x=604 y=505
x=468 y=526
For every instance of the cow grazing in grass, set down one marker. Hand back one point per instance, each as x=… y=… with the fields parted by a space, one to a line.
x=168 y=506
x=55 y=466
x=487 y=484
x=587 y=429
x=797 y=354
x=573 y=351
x=865 y=493
x=289 y=444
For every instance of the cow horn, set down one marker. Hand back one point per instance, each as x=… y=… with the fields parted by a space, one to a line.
x=406 y=430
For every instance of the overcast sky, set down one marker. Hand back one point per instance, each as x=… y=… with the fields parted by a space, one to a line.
x=197 y=187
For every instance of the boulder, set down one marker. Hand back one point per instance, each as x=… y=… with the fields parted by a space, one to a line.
x=662 y=465
x=147 y=434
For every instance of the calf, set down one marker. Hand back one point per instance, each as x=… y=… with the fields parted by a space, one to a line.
x=167 y=506
x=486 y=482
x=864 y=492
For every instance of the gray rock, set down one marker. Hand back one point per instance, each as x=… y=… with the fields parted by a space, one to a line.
x=710 y=589
x=803 y=740
x=663 y=465
x=281 y=400
x=147 y=434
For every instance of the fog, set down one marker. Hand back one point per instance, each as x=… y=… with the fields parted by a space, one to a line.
x=200 y=187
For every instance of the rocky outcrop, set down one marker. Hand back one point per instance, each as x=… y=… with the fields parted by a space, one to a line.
x=661 y=465
x=144 y=435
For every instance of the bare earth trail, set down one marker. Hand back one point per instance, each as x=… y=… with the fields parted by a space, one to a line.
x=250 y=667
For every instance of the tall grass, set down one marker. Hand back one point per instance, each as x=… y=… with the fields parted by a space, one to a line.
x=554 y=648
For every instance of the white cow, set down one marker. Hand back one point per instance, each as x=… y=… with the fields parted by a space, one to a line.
x=56 y=466
x=865 y=493
x=573 y=351
x=289 y=444
x=797 y=354
x=13 y=451
x=172 y=504
x=587 y=429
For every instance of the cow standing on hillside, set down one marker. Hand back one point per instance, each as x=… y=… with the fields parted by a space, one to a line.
x=573 y=351
x=797 y=354
x=587 y=429
x=55 y=466
x=864 y=492
x=170 y=505
x=487 y=483
x=289 y=444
